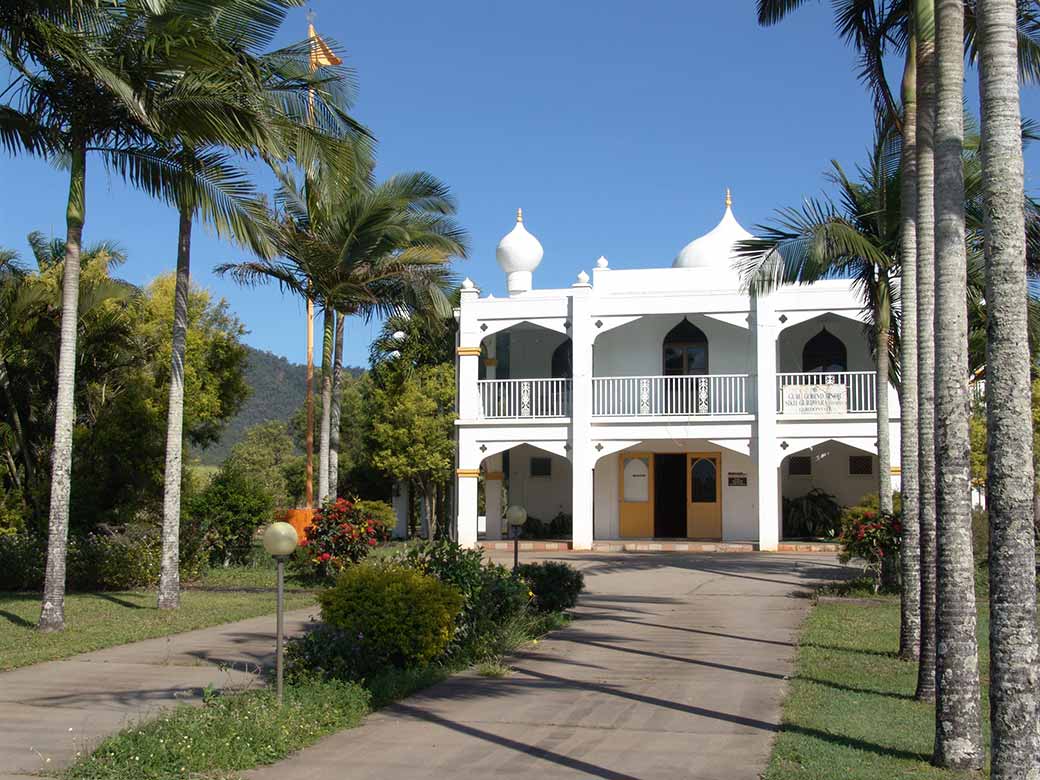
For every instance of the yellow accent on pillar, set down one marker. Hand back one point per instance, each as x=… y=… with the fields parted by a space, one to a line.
x=896 y=470
x=474 y=351
x=474 y=473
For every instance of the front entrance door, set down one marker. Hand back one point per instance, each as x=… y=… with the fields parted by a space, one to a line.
x=704 y=494
x=670 y=496
x=637 y=495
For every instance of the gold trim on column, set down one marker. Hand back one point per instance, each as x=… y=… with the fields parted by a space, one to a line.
x=474 y=473
x=475 y=351
x=494 y=476
x=896 y=470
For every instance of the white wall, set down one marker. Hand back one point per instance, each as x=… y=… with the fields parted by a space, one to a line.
x=830 y=467
x=739 y=510
x=542 y=497
x=530 y=352
x=635 y=349
x=792 y=342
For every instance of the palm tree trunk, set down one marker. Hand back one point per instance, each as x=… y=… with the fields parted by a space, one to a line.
x=1013 y=638
x=925 y=29
x=958 y=706
x=910 y=547
x=52 y=614
x=328 y=325
x=169 y=577
x=334 y=417
x=884 y=452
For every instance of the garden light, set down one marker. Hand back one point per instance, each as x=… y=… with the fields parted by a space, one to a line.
x=280 y=540
x=516 y=516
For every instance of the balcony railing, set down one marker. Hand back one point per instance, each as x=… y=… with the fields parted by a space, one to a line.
x=512 y=398
x=820 y=394
x=660 y=396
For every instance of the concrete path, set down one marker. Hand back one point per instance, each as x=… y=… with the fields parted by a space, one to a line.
x=50 y=711
x=674 y=668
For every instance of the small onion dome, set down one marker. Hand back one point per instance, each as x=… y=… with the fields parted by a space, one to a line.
x=518 y=254
x=714 y=249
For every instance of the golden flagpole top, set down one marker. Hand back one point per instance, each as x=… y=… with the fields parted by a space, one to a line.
x=729 y=198
x=519 y=215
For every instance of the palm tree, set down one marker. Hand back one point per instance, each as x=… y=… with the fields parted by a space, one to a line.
x=958 y=709
x=233 y=102
x=1013 y=631
x=359 y=249
x=73 y=95
x=858 y=241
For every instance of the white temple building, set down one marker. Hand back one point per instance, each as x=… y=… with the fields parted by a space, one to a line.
x=662 y=403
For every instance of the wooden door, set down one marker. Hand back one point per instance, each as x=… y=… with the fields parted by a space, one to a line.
x=636 y=495
x=704 y=495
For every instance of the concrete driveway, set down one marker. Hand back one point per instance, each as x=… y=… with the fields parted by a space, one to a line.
x=673 y=668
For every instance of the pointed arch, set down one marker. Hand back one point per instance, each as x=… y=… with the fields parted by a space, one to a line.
x=825 y=352
x=684 y=350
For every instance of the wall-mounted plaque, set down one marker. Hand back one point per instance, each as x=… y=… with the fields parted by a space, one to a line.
x=816 y=400
x=736 y=479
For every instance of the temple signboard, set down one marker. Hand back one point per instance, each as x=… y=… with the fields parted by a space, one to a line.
x=816 y=400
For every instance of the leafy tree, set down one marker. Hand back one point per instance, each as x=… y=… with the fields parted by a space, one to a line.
x=267 y=456
x=231 y=508
x=412 y=432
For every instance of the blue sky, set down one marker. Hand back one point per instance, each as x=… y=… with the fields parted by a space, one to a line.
x=617 y=126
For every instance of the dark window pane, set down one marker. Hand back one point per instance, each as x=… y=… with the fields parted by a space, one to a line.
x=703 y=488
x=799 y=466
x=697 y=359
x=861 y=465
x=541 y=467
x=673 y=361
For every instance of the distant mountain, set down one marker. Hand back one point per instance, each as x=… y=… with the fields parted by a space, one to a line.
x=277 y=389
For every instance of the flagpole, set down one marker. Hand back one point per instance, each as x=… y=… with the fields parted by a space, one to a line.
x=310 y=316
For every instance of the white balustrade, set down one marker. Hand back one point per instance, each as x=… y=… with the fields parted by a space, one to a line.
x=506 y=398
x=660 y=396
x=840 y=392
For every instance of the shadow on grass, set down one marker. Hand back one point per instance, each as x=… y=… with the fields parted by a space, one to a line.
x=18 y=620
x=119 y=601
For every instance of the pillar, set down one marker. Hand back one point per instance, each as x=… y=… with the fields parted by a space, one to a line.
x=466 y=481
x=402 y=494
x=582 y=460
x=493 y=509
x=767 y=462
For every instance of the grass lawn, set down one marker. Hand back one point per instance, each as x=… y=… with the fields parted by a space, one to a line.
x=97 y=620
x=850 y=711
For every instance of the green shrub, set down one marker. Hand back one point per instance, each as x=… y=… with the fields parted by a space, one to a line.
x=115 y=562
x=557 y=528
x=379 y=511
x=873 y=537
x=342 y=533
x=555 y=585
x=22 y=561
x=391 y=616
x=816 y=514
x=231 y=508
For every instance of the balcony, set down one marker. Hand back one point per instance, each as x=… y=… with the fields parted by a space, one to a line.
x=664 y=396
x=524 y=398
x=820 y=394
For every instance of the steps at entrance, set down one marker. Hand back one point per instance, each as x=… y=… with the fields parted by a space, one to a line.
x=655 y=545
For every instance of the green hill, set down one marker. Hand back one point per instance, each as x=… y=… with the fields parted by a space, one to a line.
x=277 y=389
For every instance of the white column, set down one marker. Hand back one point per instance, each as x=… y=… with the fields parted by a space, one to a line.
x=402 y=493
x=467 y=517
x=468 y=354
x=582 y=462
x=493 y=477
x=766 y=329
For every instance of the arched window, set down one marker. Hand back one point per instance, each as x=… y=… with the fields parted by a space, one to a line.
x=685 y=350
x=562 y=361
x=824 y=353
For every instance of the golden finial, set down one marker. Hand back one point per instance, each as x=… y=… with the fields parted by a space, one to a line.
x=519 y=215
x=729 y=198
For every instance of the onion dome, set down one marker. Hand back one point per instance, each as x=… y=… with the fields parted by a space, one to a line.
x=715 y=248
x=518 y=254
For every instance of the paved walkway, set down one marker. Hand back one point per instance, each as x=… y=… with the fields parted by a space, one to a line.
x=50 y=711
x=674 y=668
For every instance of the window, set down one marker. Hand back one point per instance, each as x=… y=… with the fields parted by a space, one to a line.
x=685 y=350
x=541 y=467
x=861 y=465
x=562 y=360
x=799 y=466
x=824 y=353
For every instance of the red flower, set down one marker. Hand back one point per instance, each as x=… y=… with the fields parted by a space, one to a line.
x=372 y=542
x=324 y=557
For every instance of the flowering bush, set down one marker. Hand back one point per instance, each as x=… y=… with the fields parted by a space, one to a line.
x=873 y=537
x=341 y=534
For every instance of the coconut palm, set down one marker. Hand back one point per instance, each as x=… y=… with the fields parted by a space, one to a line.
x=360 y=250
x=958 y=709
x=857 y=239
x=1013 y=632
x=235 y=101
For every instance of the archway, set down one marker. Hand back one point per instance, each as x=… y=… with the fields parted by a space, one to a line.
x=684 y=351
x=825 y=353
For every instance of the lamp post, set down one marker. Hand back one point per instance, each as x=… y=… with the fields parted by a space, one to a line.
x=280 y=540
x=516 y=516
